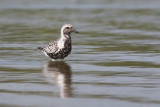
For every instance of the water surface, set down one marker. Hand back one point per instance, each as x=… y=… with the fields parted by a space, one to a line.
x=114 y=61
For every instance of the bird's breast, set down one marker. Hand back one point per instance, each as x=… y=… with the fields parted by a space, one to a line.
x=61 y=44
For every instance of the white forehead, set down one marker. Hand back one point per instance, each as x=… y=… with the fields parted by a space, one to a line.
x=66 y=25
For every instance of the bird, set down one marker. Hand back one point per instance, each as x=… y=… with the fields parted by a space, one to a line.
x=60 y=48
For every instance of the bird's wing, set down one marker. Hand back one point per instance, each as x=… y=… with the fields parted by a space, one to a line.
x=51 y=47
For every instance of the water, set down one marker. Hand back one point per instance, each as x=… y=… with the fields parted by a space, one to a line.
x=114 y=61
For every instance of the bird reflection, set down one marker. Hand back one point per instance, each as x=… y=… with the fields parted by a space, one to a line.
x=60 y=73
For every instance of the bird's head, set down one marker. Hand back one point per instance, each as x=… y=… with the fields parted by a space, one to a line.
x=67 y=29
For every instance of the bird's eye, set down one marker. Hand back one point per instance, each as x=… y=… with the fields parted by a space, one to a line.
x=67 y=27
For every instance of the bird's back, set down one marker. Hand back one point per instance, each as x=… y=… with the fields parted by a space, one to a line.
x=61 y=53
x=54 y=51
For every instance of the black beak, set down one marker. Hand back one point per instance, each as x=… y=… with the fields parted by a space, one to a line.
x=75 y=31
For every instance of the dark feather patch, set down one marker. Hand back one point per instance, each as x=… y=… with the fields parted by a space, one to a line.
x=40 y=48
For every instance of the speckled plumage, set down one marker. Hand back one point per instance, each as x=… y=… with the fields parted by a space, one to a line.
x=60 y=48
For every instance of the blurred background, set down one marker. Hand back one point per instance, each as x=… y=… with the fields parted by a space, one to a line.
x=114 y=61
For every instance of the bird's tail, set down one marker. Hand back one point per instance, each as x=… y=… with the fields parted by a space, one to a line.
x=40 y=48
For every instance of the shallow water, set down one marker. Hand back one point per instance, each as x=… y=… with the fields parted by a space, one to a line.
x=114 y=61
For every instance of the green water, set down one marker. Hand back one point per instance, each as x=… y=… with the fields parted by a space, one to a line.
x=114 y=61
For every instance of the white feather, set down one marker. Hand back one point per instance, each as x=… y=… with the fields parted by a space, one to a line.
x=61 y=43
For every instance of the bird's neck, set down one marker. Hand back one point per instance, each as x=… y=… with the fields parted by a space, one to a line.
x=63 y=39
x=65 y=36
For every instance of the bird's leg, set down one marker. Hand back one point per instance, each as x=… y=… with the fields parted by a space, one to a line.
x=53 y=59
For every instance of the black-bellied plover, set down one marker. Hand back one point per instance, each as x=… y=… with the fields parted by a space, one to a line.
x=60 y=48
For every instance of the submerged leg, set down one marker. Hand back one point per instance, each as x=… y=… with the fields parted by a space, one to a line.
x=53 y=59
